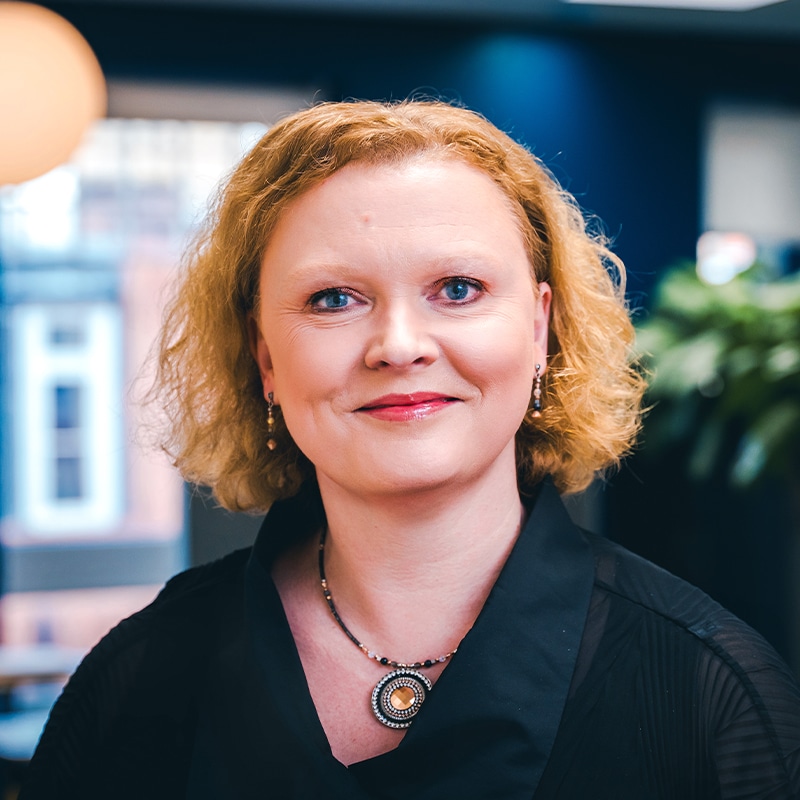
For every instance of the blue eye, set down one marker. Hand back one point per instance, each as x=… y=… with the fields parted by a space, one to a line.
x=459 y=290
x=330 y=300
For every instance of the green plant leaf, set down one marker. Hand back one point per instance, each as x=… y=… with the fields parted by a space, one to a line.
x=763 y=443
x=706 y=450
x=723 y=359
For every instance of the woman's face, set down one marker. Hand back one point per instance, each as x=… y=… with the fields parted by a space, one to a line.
x=399 y=326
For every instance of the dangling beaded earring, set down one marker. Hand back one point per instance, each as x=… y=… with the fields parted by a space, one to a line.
x=271 y=443
x=537 y=393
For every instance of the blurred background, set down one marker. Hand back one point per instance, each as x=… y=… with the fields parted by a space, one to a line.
x=679 y=128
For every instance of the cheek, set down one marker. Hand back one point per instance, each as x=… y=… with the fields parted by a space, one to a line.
x=501 y=351
x=510 y=393
x=300 y=353
x=312 y=370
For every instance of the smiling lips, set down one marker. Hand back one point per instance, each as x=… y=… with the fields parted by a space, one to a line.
x=401 y=407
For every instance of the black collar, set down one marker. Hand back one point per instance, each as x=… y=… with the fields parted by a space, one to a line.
x=488 y=726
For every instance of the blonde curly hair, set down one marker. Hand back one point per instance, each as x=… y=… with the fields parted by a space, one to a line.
x=208 y=383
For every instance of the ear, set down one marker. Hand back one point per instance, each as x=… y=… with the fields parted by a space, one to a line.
x=542 y=324
x=260 y=352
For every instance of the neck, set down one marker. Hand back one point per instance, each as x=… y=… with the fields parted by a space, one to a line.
x=410 y=575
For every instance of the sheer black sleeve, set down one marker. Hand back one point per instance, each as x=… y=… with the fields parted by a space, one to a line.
x=673 y=697
x=123 y=726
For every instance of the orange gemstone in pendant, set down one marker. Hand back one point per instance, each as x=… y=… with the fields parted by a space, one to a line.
x=402 y=698
x=398 y=697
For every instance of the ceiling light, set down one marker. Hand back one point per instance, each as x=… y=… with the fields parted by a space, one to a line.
x=704 y=5
x=723 y=256
x=51 y=90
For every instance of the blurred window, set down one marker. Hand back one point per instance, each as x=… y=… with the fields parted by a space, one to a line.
x=752 y=179
x=91 y=523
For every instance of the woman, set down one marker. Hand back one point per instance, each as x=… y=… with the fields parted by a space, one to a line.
x=398 y=335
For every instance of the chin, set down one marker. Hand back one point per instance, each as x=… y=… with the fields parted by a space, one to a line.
x=409 y=480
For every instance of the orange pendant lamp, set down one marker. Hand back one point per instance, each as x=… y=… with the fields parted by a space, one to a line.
x=51 y=90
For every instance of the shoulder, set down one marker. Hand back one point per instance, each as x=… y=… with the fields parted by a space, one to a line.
x=134 y=692
x=189 y=596
x=654 y=590
x=188 y=605
x=658 y=594
x=184 y=614
x=204 y=582
x=743 y=694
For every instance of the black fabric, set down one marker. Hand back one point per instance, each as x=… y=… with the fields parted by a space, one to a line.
x=590 y=673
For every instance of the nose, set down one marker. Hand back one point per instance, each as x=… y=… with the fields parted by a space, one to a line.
x=401 y=338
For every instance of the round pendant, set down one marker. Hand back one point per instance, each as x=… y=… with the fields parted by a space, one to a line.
x=398 y=697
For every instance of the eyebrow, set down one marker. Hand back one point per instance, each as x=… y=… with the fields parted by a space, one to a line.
x=342 y=269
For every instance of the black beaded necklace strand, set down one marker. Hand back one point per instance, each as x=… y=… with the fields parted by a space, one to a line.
x=398 y=695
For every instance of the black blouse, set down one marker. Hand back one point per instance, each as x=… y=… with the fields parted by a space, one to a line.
x=590 y=674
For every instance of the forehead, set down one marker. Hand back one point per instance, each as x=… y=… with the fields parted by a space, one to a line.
x=396 y=221
x=384 y=189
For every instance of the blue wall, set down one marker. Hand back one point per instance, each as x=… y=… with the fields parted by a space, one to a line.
x=606 y=114
x=617 y=117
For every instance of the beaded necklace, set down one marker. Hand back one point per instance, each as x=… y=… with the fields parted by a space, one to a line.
x=398 y=695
